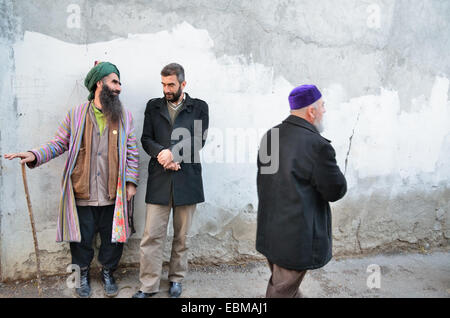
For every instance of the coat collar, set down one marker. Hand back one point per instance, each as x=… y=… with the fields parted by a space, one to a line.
x=298 y=121
x=188 y=103
x=162 y=105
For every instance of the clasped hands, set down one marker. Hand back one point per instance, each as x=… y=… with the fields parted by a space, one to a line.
x=165 y=159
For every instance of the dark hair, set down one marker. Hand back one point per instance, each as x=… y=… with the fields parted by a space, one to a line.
x=95 y=87
x=174 y=69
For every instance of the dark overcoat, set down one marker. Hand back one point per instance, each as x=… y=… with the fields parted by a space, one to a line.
x=185 y=184
x=294 y=217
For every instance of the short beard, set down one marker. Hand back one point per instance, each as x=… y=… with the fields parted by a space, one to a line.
x=319 y=126
x=175 y=97
x=111 y=104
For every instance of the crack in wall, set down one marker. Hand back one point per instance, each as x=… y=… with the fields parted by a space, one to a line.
x=351 y=44
x=350 y=141
x=357 y=237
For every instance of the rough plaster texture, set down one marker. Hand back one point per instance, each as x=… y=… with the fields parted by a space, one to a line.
x=386 y=89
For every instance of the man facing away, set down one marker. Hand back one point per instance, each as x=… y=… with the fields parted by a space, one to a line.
x=174 y=178
x=294 y=217
x=100 y=176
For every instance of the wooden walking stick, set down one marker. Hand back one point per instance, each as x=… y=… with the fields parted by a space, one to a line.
x=30 y=212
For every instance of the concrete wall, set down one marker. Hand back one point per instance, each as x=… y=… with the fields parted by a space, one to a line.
x=382 y=66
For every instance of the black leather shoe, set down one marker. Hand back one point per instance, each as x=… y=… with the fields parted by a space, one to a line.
x=109 y=283
x=175 y=290
x=85 y=290
x=141 y=294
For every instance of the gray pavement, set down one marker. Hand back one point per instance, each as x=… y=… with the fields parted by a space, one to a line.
x=390 y=276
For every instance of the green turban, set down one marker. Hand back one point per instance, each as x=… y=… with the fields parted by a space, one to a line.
x=99 y=71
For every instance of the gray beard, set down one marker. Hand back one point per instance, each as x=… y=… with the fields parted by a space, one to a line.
x=112 y=106
x=319 y=126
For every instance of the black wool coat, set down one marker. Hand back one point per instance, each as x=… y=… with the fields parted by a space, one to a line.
x=186 y=184
x=294 y=217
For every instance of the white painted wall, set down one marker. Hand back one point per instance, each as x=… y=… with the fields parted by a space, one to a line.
x=396 y=151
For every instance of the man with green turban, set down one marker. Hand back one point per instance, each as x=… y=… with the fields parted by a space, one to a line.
x=99 y=71
x=100 y=176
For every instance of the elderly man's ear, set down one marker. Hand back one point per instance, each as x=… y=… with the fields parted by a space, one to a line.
x=311 y=112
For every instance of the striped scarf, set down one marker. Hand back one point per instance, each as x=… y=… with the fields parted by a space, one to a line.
x=68 y=138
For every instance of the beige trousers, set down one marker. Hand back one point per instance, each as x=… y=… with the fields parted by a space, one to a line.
x=284 y=283
x=152 y=245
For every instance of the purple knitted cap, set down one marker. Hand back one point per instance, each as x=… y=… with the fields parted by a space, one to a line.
x=304 y=96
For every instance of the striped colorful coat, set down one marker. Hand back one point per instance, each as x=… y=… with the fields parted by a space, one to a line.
x=68 y=138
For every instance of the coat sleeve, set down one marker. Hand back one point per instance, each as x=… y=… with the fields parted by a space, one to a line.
x=151 y=147
x=54 y=148
x=327 y=177
x=196 y=142
x=132 y=168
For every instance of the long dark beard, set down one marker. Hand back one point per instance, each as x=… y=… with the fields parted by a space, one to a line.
x=111 y=104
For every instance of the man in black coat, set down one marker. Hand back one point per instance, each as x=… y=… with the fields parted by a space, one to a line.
x=294 y=217
x=174 y=132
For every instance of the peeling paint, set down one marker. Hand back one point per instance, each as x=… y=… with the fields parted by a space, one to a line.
x=391 y=135
x=1 y=199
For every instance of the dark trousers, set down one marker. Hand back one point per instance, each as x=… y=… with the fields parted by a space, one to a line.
x=284 y=283
x=95 y=219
